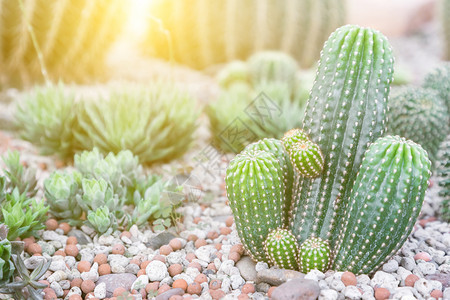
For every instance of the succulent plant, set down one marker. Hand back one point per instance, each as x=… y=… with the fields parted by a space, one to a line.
x=307 y=158
x=102 y=220
x=97 y=193
x=314 y=253
x=24 y=216
x=20 y=177
x=384 y=205
x=61 y=191
x=420 y=115
x=28 y=287
x=293 y=136
x=439 y=80
x=46 y=118
x=258 y=208
x=43 y=39
x=6 y=265
x=272 y=66
x=281 y=249
x=156 y=123
x=444 y=179
x=235 y=72
x=444 y=13
x=227 y=30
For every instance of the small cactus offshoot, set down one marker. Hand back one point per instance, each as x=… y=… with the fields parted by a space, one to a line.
x=293 y=136
x=307 y=158
x=314 y=253
x=281 y=249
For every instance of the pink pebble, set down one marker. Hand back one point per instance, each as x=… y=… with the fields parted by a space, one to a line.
x=422 y=255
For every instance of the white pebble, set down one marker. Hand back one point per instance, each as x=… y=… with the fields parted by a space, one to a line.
x=156 y=270
x=100 y=291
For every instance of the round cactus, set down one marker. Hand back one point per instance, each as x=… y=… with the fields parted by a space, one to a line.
x=439 y=80
x=307 y=158
x=281 y=249
x=420 y=115
x=314 y=253
x=293 y=136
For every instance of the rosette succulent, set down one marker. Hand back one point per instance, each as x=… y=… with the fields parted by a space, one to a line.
x=96 y=193
x=18 y=176
x=102 y=220
x=6 y=265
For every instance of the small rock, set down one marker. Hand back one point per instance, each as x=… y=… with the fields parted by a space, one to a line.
x=170 y=293
x=391 y=266
x=32 y=262
x=92 y=274
x=386 y=280
x=82 y=238
x=297 y=288
x=262 y=287
x=159 y=240
x=328 y=294
x=278 y=276
x=57 y=288
x=261 y=266
x=236 y=281
x=337 y=284
x=315 y=275
x=114 y=281
x=140 y=282
x=352 y=292
x=205 y=253
x=408 y=263
x=132 y=268
x=423 y=287
x=247 y=268
x=156 y=270
x=426 y=268
x=49 y=235
x=88 y=230
x=443 y=278
x=100 y=291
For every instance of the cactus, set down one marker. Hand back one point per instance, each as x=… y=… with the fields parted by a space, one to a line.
x=384 y=204
x=307 y=158
x=156 y=123
x=439 y=80
x=420 y=115
x=256 y=188
x=281 y=249
x=345 y=112
x=444 y=180
x=46 y=118
x=272 y=66
x=293 y=136
x=203 y=33
x=232 y=73
x=68 y=40
x=445 y=14
x=314 y=253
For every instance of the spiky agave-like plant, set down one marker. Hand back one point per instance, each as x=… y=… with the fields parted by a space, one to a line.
x=46 y=118
x=70 y=38
x=281 y=249
x=384 y=205
x=156 y=123
x=314 y=253
x=420 y=115
x=295 y=27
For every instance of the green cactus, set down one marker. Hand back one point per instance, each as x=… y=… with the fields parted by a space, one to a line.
x=439 y=80
x=444 y=179
x=155 y=123
x=307 y=158
x=384 y=205
x=345 y=112
x=60 y=191
x=445 y=14
x=293 y=136
x=232 y=73
x=420 y=115
x=202 y=33
x=69 y=39
x=314 y=253
x=256 y=188
x=281 y=249
x=272 y=66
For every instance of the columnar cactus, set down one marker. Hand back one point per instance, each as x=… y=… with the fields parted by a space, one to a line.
x=314 y=253
x=383 y=207
x=281 y=249
x=202 y=33
x=345 y=112
x=255 y=187
x=420 y=115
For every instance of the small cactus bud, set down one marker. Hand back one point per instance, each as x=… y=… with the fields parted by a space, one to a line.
x=281 y=249
x=293 y=136
x=307 y=158
x=314 y=254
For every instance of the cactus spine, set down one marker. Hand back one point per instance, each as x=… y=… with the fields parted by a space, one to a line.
x=297 y=27
x=314 y=254
x=281 y=249
x=255 y=188
x=384 y=204
x=345 y=112
x=420 y=115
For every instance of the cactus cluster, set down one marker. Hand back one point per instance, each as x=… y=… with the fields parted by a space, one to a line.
x=156 y=122
x=357 y=210
x=419 y=114
x=202 y=33
x=56 y=40
x=265 y=96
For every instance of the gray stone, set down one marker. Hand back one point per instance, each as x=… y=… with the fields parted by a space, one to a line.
x=328 y=294
x=178 y=257
x=426 y=268
x=261 y=266
x=87 y=255
x=262 y=287
x=443 y=278
x=33 y=262
x=391 y=266
x=298 y=288
x=82 y=238
x=408 y=263
x=57 y=288
x=117 y=259
x=337 y=284
x=247 y=269
x=58 y=265
x=169 y=293
x=236 y=281
x=159 y=240
x=386 y=280
x=315 y=275
x=47 y=248
x=132 y=268
x=49 y=235
x=114 y=281
x=278 y=276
